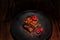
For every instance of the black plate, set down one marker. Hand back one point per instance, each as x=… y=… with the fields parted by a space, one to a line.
x=19 y=33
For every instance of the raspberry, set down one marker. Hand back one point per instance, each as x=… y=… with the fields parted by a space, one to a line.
x=38 y=31
x=34 y=18
x=41 y=29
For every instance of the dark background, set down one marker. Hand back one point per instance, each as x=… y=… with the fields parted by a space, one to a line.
x=10 y=8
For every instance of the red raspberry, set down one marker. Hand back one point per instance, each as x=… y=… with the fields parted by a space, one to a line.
x=38 y=31
x=41 y=29
x=34 y=18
